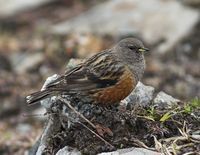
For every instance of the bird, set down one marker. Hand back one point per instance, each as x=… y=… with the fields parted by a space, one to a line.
x=104 y=79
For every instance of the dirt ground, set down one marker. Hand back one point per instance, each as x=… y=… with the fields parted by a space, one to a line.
x=124 y=128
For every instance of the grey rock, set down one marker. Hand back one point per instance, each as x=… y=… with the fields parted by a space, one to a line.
x=40 y=149
x=196 y=114
x=191 y=2
x=9 y=8
x=40 y=112
x=128 y=151
x=52 y=126
x=196 y=135
x=5 y=64
x=164 y=101
x=142 y=95
x=153 y=20
x=132 y=151
x=23 y=128
x=49 y=80
x=68 y=151
x=48 y=101
x=22 y=62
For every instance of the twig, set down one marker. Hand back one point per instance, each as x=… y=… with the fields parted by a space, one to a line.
x=106 y=142
x=160 y=147
x=141 y=144
x=174 y=139
x=78 y=113
x=146 y=117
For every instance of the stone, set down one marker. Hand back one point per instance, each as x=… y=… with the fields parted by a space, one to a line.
x=68 y=151
x=194 y=3
x=153 y=20
x=23 y=62
x=23 y=128
x=84 y=45
x=40 y=149
x=196 y=135
x=48 y=101
x=131 y=151
x=5 y=64
x=164 y=101
x=142 y=95
x=127 y=151
x=9 y=8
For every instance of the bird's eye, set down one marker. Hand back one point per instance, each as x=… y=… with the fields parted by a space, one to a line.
x=132 y=47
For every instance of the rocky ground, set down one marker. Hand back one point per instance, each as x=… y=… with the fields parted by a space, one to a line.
x=34 y=46
x=145 y=119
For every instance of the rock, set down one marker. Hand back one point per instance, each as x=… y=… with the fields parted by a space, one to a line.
x=4 y=63
x=116 y=17
x=164 y=101
x=23 y=62
x=23 y=128
x=9 y=107
x=7 y=84
x=49 y=80
x=40 y=150
x=128 y=151
x=46 y=103
x=196 y=115
x=196 y=135
x=68 y=151
x=41 y=112
x=131 y=151
x=52 y=127
x=83 y=45
x=194 y=3
x=142 y=95
x=9 y=8
x=153 y=81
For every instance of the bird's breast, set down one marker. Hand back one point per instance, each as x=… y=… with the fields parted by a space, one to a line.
x=117 y=92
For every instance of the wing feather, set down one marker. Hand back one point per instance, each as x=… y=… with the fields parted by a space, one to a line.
x=100 y=71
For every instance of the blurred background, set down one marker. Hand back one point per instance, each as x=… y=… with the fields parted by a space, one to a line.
x=39 y=37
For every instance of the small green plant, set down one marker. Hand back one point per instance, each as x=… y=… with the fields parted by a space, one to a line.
x=155 y=115
x=195 y=103
x=152 y=113
x=166 y=116
x=187 y=108
x=192 y=105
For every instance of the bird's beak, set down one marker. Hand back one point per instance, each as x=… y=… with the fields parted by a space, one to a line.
x=143 y=49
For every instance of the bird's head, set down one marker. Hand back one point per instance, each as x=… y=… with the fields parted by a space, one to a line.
x=132 y=45
x=131 y=51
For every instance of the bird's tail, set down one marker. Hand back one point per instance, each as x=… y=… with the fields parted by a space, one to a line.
x=38 y=96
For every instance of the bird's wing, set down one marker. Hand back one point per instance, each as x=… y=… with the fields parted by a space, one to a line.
x=100 y=71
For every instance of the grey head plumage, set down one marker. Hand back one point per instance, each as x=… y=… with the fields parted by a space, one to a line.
x=131 y=52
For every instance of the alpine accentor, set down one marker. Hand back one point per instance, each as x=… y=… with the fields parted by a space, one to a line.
x=105 y=78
